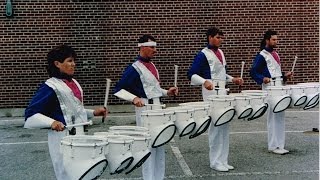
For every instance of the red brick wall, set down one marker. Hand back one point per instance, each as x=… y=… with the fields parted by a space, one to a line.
x=104 y=34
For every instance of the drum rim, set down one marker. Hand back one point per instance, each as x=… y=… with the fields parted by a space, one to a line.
x=273 y=110
x=265 y=108
x=277 y=88
x=239 y=117
x=139 y=163
x=234 y=113
x=206 y=123
x=182 y=133
x=194 y=103
x=68 y=141
x=117 y=171
x=156 y=113
x=135 y=134
x=306 y=107
x=94 y=167
x=305 y=97
x=138 y=128
x=175 y=130
x=182 y=109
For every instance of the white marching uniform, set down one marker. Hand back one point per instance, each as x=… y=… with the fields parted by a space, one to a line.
x=218 y=136
x=154 y=167
x=72 y=108
x=275 y=121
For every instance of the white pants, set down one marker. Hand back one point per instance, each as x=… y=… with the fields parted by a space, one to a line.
x=54 y=143
x=276 y=130
x=154 y=167
x=218 y=138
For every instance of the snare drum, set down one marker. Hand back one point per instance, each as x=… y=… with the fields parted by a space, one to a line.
x=84 y=156
x=140 y=147
x=160 y=123
x=201 y=117
x=279 y=98
x=312 y=93
x=119 y=153
x=222 y=109
x=258 y=103
x=243 y=106
x=299 y=97
x=184 y=119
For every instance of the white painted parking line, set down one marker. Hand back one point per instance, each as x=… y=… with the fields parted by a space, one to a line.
x=20 y=143
x=184 y=166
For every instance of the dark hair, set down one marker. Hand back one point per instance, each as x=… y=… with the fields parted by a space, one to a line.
x=212 y=31
x=59 y=53
x=267 y=35
x=145 y=38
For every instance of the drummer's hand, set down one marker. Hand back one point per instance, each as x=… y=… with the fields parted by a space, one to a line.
x=266 y=80
x=138 y=102
x=57 y=125
x=289 y=75
x=208 y=85
x=101 y=111
x=173 y=91
x=238 y=81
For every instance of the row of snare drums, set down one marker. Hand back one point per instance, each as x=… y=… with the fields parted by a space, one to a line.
x=125 y=148
x=121 y=149
x=193 y=118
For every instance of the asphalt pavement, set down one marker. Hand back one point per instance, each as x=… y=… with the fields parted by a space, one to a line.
x=24 y=152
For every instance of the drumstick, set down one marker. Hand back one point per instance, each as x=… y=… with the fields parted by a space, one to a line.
x=162 y=105
x=106 y=96
x=241 y=74
x=79 y=124
x=294 y=63
x=242 y=67
x=175 y=75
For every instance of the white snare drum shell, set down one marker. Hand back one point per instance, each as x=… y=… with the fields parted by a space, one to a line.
x=279 y=98
x=83 y=156
x=258 y=102
x=160 y=124
x=184 y=119
x=312 y=92
x=201 y=117
x=222 y=109
x=140 y=147
x=119 y=153
x=243 y=105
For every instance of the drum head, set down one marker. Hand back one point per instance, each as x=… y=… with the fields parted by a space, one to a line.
x=188 y=129
x=300 y=101
x=246 y=113
x=260 y=112
x=95 y=171
x=314 y=101
x=124 y=165
x=164 y=136
x=282 y=105
x=225 y=117
x=201 y=129
x=139 y=163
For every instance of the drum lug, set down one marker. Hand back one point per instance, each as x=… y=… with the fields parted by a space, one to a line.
x=94 y=151
x=72 y=150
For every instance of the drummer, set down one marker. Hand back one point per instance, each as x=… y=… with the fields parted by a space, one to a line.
x=59 y=102
x=265 y=69
x=140 y=84
x=209 y=68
